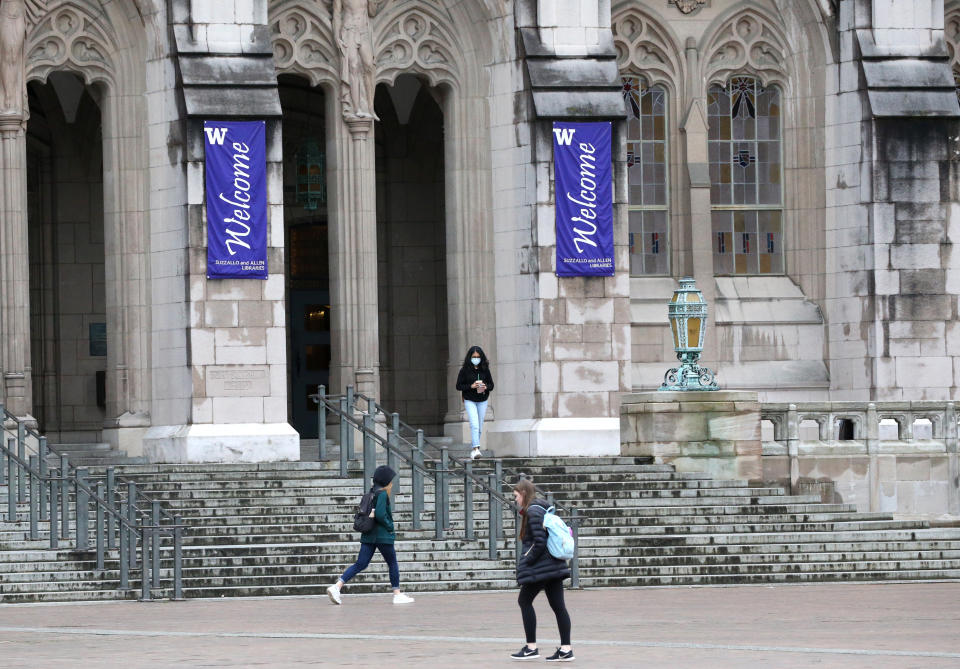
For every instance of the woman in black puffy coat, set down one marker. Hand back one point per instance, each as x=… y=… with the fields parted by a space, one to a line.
x=538 y=570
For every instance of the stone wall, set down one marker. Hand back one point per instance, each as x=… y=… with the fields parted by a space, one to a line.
x=236 y=328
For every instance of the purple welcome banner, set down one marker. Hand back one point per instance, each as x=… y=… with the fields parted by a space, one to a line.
x=236 y=176
x=583 y=188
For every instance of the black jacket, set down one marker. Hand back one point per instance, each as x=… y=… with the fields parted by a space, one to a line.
x=536 y=564
x=467 y=376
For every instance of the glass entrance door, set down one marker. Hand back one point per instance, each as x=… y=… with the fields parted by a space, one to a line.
x=310 y=359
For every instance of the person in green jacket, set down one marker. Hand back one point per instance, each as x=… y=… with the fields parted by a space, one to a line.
x=380 y=538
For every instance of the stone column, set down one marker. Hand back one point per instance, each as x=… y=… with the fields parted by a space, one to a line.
x=872 y=436
x=126 y=274
x=950 y=436
x=16 y=390
x=699 y=259
x=470 y=277
x=353 y=260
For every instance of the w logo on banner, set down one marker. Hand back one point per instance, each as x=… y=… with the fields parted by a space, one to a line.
x=216 y=135
x=564 y=135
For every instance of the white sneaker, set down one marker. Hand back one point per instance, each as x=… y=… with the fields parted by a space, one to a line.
x=333 y=592
x=475 y=453
x=402 y=598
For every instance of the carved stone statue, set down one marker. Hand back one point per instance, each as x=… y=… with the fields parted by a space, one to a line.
x=13 y=32
x=351 y=29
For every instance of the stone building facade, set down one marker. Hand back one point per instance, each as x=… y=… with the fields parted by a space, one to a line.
x=796 y=157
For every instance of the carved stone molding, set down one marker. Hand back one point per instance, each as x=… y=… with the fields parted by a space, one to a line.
x=70 y=36
x=951 y=33
x=303 y=40
x=644 y=48
x=747 y=42
x=689 y=6
x=416 y=40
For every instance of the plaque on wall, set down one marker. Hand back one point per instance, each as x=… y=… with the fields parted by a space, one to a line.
x=98 y=340
x=238 y=381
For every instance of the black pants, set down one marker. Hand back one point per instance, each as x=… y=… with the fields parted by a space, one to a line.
x=554 y=590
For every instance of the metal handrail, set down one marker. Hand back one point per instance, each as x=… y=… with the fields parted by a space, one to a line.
x=385 y=443
x=140 y=496
x=131 y=524
x=345 y=407
x=358 y=425
x=503 y=472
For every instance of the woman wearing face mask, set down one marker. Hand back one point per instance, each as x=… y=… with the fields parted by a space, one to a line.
x=476 y=383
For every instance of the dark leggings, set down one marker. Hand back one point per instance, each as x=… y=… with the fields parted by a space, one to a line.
x=363 y=560
x=554 y=590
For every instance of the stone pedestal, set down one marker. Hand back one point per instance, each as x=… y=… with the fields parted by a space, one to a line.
x=716 y=433
x=234 y=443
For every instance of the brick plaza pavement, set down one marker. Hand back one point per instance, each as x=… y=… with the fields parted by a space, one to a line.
x=869 y=626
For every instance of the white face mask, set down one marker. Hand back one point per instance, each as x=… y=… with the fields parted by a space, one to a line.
x=475 y=361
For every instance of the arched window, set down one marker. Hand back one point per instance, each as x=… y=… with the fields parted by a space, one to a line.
x=746 y=191
x=647 y=170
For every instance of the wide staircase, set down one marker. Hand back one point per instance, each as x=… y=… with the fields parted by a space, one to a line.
x=286 y=529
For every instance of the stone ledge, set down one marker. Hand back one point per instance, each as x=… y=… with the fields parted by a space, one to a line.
x=226 y=443
x=700 y=396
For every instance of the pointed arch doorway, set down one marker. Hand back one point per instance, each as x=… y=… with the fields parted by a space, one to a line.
x=412 y=251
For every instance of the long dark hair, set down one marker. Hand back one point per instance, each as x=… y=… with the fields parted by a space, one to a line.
x=527 y=494
x=484 y=364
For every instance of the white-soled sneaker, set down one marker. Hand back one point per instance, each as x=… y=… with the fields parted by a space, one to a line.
x=526 y=653
x=475 y=453
x=333 y=592
x=561 y=656
x=402 y=598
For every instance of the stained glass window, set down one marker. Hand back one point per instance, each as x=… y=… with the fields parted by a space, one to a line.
x=647 y=170
x=746 y=190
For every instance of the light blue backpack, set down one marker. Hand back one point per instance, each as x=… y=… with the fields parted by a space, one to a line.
x=559 y=536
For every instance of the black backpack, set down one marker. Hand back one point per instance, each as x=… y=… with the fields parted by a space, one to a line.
x=362 y=522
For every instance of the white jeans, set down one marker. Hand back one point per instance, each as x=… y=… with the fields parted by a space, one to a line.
x=475 y=413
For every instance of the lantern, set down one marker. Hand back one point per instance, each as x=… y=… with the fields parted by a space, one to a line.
x=688 y=323
x=311 y=177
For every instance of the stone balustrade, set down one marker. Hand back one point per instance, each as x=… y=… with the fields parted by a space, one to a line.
x=883 y=456
x=896 y=457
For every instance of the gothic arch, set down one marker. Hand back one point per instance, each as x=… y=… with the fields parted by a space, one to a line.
x=303 y=41
x=69 y=37
x=449 y=44
x=105 y=43
x=645 y=46
x=746 y=40
x=951 y=33
x=418 y=40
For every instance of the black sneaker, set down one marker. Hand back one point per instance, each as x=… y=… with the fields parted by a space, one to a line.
x=526 y=653
x=560 y=656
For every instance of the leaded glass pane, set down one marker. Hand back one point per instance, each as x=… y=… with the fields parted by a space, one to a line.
x=649 y=253
x=771 y=236
x=646 y=148
x=745 y=176
x=723 y=242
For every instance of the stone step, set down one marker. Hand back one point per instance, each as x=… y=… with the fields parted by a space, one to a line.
x=330 y=474
x=335 y=486
x=350 y=497
x=79 y=448
x=789 y=537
